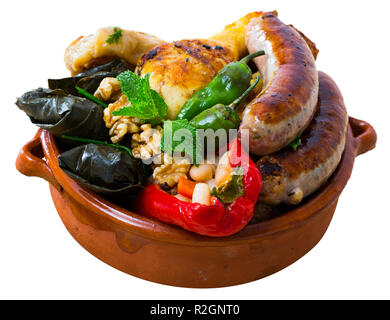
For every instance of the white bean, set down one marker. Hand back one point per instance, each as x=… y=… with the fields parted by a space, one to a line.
x=202 y=173
x=201 y=194
x=223 y=170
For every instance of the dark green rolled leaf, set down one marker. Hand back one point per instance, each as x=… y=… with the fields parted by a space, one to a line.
x=62 y=113
x=103 y=169
x=90 y=79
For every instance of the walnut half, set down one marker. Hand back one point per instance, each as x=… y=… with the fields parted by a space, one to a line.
x=109 y=89
x=171 y=169
x=147 y=144
x=120 y=125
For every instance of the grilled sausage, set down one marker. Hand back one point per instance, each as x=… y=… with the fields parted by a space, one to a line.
x=287 y=103
x=288 y=175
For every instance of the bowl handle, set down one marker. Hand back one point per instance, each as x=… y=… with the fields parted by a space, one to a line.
x=364 y=134
x=30 y=161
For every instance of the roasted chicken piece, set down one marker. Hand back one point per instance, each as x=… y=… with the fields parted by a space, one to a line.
x=179 y=69
x=93 y=50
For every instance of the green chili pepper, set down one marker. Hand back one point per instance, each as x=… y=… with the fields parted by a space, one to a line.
x=221 y=116
x=227 y=85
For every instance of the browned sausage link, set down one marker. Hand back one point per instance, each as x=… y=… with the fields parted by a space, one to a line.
x=286 y=105
x=288 y=175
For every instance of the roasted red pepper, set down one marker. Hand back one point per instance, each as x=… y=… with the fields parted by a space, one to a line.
x=216 y=219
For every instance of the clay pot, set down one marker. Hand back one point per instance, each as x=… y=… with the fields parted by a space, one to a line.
x=158 y=252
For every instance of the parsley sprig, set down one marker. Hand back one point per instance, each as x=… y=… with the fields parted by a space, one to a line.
x=296 y=143
x=115 y=36
x=146 y=103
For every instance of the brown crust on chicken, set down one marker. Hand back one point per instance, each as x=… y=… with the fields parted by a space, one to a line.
x=287 y=172
x=205 y=52
x=181 y=68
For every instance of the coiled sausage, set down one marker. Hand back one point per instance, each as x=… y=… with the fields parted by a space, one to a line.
x=288 y=175
x=286 y=105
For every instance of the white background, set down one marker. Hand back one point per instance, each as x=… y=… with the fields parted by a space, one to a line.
x=39 y=259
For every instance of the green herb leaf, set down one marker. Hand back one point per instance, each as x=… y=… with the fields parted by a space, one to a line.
x=146 y=103
x=296 y=143
x=232 y=189
x=179 y=136
x=91 y=97
x=115 y=36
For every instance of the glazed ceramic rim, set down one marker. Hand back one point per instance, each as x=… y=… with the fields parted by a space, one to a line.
x=153 y=229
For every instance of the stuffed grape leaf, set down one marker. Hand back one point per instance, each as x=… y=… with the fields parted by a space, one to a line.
x=103 y=169
x=61 y=113
x=90 y=79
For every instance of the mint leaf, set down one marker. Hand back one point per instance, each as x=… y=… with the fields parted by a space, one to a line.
x=159 y=103
x=130 y=84
x=146 y=103
x=134 y=111
x=178 y=137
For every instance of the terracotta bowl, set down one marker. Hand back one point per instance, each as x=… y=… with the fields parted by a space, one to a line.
x=161 y=253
